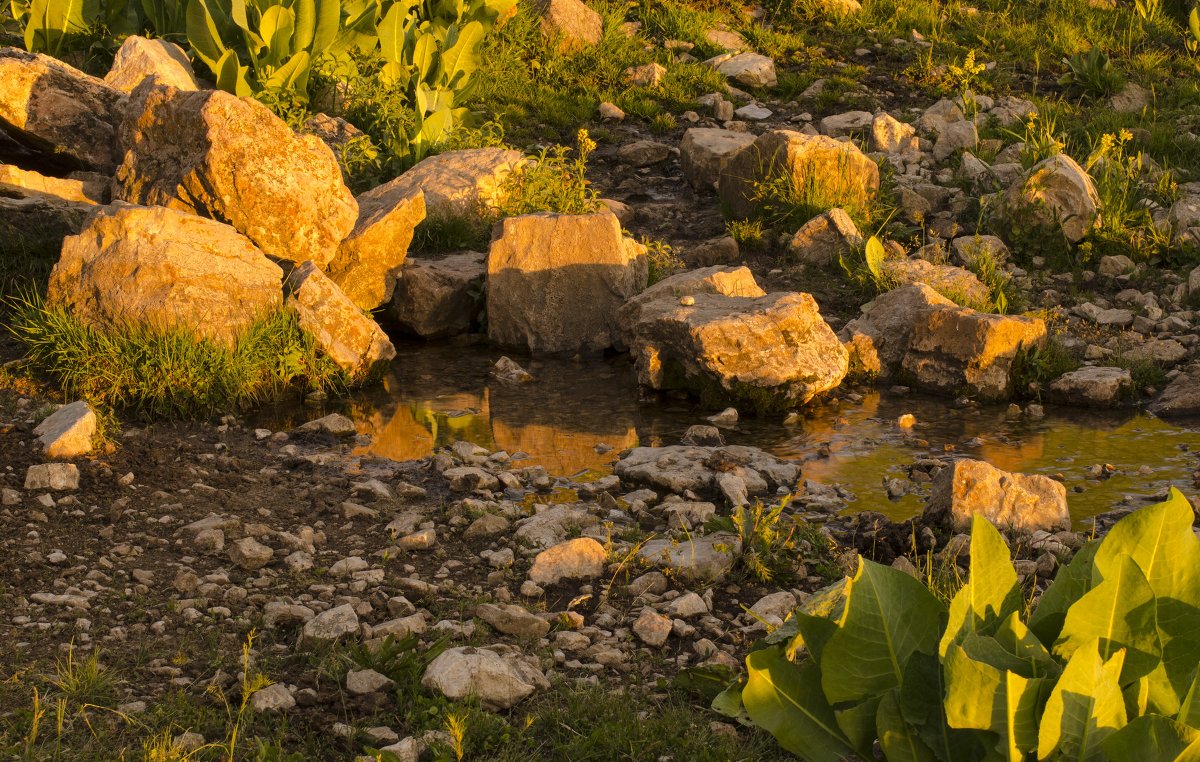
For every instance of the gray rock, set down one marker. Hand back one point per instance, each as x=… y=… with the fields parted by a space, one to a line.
x=361 y=682
x=513 y=620
x=652 y=628
x=1093 y=387
x=461 y=672
x=274 y=698
x=332 y=624
x=705 y=558
x=250 y=554
x=52 y=476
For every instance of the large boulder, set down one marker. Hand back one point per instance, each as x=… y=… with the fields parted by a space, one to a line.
x=341 y=330
x=704 y=152
x=457 y=183
x=216 y=155
x=366 y=264
x=1180 y=398
x=727 y=281
x=139 y=59
x=569 y=23
x=767 y=353
x=840 y=171
x=165 y=269
x=437 y=298
x=1055 y=194
x=58 y=112
x=880 y=338
x=1015 y=501
x=957 y=350
x=556 y=281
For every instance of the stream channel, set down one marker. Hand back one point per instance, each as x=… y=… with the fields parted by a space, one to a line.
x=576 y=417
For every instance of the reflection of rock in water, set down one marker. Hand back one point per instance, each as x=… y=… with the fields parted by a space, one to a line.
x=414 y=429
x=562 y=416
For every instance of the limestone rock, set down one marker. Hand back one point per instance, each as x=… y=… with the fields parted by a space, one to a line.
x=704 y=152
x=706 y=558
x=1057 y=194
x=513 y=620
x=57 y=111
x=250 y=554
x=350 y=338
x=457 y=183
x=556 y=281
x=366 y=263
x=140 y=58
x=84 y=188
x=956 y=350
x=825 y=238
x=1093 y=387
x=1008 y=500
x=164 y=268
x=750 y=69
x=68 y=431
x=643 y=153
x=652 y=628
x=52 y=476
x=840 y=170
x=880 y=338
x=437 y=298
x=216 y=155
x=332 y=624
x=847 y=124
x=569 y=23
x=956 y=136
x=891 y=136
x=947 y=280
x=768 y=353
x=361 y=682
x=728 y=281
x=1180 y=398
x=580 y=558
x=461 y=672
x=966 y=250
x=679 y=468
x=273 y=698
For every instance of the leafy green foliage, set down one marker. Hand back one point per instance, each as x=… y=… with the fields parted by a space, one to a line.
x=171 y=373
x=1106 y=669
x=1093 y=73
x=553 y=182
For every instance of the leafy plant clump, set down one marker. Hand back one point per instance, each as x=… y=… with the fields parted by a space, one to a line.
x=553 y=182
x=171 y=373
x=1104 y=668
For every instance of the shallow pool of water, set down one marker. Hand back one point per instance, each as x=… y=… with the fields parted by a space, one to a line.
x=578 y=416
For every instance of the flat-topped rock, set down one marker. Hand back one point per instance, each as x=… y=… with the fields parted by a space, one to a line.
x=438 y=298
x=1016 y=501
x=1093 y=387
x=679 y=468
x=704 y=152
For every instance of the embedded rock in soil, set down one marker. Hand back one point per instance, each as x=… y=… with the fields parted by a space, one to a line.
x=1056 y=194
x=956 y=350
x=458 y=673
x=68 y=431
x=697 y=558
x=680 y=468
x=366 y=264
x=438 y=298
x=1180 y=398
x=273 y=698
x=166 y=269
x=652 y=628
x=841 y=172
x=1093 y=387
x=457 y=184
x=719 y=279
x=750 y=69
x=967 y=250
x=139 y=59
x=581 y=558
x=250 y=554
x=350 y=338
x=512 y=620
x=556 y=281
x=52 y=476
x=826 y=238
x=643 y=153
x=704 y=152
x=58 y=112
x=846 y=124
x=891 y=136
x=947 y=280
x=551 y=526
x=767 y=353
x=216 y=155
x=332 y=624
x=1016 y=501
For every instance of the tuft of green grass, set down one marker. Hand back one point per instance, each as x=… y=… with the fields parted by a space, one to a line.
x=171 y=373
x=1042 y=364
x=662 y=259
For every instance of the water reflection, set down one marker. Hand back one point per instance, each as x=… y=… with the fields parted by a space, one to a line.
x=576 y=416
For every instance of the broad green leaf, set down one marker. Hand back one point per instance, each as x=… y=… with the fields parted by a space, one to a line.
x=1071 y=582
x=898 y=739
x=1189 y=708
x=1085 y=707
x=391 y=34
x=921 y=704
x=1016 y=638
x=827 y=603
x=329 y=16
x=729 y=703
x=1120 y=613
x=203 y=37
x=785 y=700
x=992 y=592
x=1160 y=540
x=423 y=57
x=875 y=254
x=1152 y=737
x=292 y=76
x=814 y=633
x=306 y=23
x=857 y=723
x=889 y=616
x=1023 y=703
x=276 y=28
x=231 y=75
x=462 y=56
x=981 y=697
